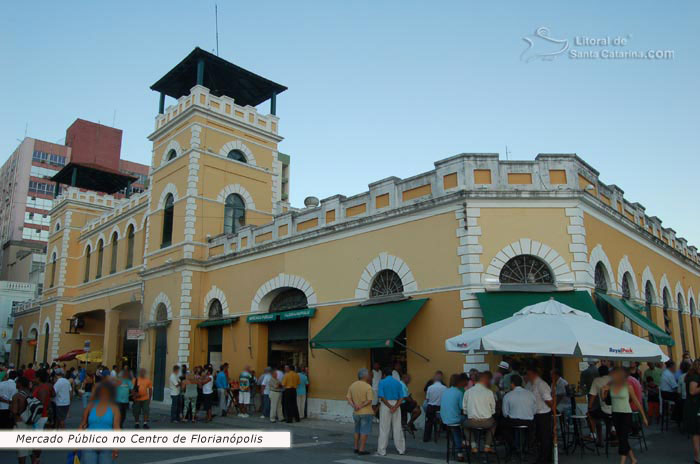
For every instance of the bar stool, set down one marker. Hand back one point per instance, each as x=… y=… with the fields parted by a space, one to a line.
x=639 y=434
x=452 y=447
x=562 y=428
x=480 y=433
x=577 y=440
x=521 y=434
x=667 y=406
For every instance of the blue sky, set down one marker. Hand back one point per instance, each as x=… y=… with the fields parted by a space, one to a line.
x=380 y=88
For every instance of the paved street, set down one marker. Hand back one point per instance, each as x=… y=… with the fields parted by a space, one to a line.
x=316 y=441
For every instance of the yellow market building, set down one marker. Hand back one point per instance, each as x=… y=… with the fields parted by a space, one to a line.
x=211 y=263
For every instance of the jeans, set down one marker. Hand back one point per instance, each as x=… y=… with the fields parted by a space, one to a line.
x=431 y=418
x=123 y=409
x=86 y=399
x=266 y=406
x=97 y=457
x=175 y=408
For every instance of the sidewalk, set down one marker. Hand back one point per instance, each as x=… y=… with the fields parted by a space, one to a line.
x=668 y=447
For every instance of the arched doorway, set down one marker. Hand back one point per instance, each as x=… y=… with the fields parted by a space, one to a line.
x=288 y=339
x=387 y=285
x=33 y=342
x=160 y=353
x=215 y=335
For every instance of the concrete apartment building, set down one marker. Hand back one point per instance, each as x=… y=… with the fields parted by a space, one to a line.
x=27 y=192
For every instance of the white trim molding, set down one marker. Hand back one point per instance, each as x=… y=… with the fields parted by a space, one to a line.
x=238 y=145
x=647 y=276
x=170 y=188
x=691 y=297
x=623 y=267
x=279 y=282
x=678 y=290
x=115 y=229
x=560 y=270
x=218 y=294
x=237 y=189
x=598 y=255
x=664 y=284
x=383 y=262
x=161 y=298
x=172 y=145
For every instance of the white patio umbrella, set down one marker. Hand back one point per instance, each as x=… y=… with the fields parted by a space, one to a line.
x=553 y=328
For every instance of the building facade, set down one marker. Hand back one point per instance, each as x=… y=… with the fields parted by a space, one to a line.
x=213 y=264
x=28 y=193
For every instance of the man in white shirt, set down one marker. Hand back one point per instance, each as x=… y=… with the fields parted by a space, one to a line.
x=543 y=414
x=598 y=410
x=8 y=388
x=479 y=405
x=264 y=383
x=63 y=390
x=174 y=385
x=519 y=408
x=433 y=395
x=376 y=378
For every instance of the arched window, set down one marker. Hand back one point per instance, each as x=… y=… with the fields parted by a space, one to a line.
x=667 y=303
x=234 y=213
x=527 y=270
x=161 y=313
x=58 y=226
x=291 y=298
x=681 y=325
x=648 y=297
x=53 y=270
x=115 y=249
x=87 y=264
x=172 y=154
x=130 y=246
x=168 y=212
x=215 y=309
x=46 y=343
x=385 y=283
x=626 y=292
x=237 y=155
x=100 y=256
x=600 y=277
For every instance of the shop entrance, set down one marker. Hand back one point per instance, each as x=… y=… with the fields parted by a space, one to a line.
x=214 y=346
x=288 y=342
x=388 y=357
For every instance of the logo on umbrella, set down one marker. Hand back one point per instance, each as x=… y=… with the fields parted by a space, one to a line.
x=621 y=350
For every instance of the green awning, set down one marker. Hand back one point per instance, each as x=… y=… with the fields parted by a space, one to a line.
x=636 y=315
x=217 y=322
x=281 y=315
x=374 y=326
x=497 y=306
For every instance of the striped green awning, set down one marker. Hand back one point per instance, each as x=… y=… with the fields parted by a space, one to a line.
x=636 y=314
x=374 y=326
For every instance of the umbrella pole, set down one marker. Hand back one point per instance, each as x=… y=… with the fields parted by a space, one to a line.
x=555 y=449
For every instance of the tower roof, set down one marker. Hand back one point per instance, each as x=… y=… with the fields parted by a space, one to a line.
x=221 y=77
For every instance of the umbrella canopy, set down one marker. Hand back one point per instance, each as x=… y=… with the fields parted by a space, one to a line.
x=70 y=355
x=553 y=328
x=92 y=356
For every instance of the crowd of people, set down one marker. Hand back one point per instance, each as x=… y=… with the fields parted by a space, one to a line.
x=516 y=397
x=278 y=394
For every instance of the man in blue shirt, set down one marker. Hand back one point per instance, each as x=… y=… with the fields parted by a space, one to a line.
x=391 y=395
x=451 y=409
x=301 y=392
x=221 y=384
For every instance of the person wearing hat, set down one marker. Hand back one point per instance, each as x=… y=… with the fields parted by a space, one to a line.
x=506 y=373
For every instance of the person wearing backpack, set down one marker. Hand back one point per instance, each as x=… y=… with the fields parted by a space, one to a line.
x=18 y=409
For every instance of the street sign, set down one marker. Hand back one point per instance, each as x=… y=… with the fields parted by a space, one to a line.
x=135 y=334
x=86 y=348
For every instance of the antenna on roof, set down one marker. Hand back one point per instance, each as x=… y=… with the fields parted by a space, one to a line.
x=216 y=20
x=114 y=117
x=507 y=152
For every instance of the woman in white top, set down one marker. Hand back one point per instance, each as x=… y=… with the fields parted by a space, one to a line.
x=207 y=382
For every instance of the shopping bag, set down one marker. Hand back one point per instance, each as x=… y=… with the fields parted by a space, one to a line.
x=74 y=457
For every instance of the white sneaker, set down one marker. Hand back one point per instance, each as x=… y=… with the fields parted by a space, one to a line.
x=262 y=417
